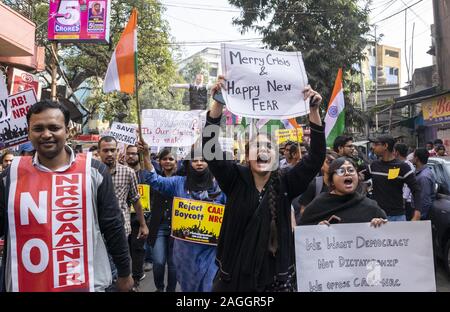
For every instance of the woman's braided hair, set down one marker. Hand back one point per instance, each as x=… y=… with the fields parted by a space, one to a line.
x=273 y=192
x=274 y=188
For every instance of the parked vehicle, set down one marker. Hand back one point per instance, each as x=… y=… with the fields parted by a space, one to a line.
x=440 y=211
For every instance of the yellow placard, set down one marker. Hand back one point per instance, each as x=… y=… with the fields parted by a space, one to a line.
x=196 y=221
x=144 y=192
x=393 y=173
x=284 y=135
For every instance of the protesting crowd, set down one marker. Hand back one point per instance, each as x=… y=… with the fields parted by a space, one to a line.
x=206 y=209
x=106 y=239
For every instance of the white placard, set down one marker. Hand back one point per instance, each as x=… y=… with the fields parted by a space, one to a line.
x=4 y=107
x=167 y=128
x=14 y=130
x=124 y=133
x=359 y=258
x=264 y=83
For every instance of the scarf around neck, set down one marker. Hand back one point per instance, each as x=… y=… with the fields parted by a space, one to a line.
x=197 y=181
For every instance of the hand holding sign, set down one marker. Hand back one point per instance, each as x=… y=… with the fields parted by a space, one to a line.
x=314 y=97
x=263 y=83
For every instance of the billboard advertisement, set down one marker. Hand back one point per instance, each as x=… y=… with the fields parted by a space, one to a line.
x=79 y=21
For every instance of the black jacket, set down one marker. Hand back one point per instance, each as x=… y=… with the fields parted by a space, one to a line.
x=244 y=262
x=351 y=208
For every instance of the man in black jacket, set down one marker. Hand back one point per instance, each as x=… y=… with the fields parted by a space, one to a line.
x=388 y=176
x=101 y=222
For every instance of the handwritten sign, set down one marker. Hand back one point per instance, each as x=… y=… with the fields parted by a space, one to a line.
x=284 y=135
x=196 y=221
x=124 y=133
x=75 y=21
x=263 y=83
x=166 y=128
x=359 y=258
x=14 y=130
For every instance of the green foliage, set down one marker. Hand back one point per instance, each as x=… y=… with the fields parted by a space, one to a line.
x=196 y=66
x=329 y=33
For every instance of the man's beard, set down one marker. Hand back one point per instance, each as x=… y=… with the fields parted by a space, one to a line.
x=133 y=163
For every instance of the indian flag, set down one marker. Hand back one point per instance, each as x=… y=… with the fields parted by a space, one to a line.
x=122 y=68
x=335 y=118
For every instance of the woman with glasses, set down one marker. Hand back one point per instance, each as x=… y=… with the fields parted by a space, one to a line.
x=160 y=227
x=318 y=185
x=343 y=202
x=256 y=246
x=194 y=262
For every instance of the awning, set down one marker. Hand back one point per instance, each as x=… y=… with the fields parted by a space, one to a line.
x=417 y=97
x=76 y=113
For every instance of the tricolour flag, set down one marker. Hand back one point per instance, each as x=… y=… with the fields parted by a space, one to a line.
x=122 y=68
x=335 y=117
x=290 y=123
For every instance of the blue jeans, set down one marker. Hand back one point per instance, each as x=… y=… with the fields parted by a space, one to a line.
x=163 y=252
x=396 y=218
x=148 y=258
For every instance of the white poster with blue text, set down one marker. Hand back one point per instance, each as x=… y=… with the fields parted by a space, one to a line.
x=396 y=257
x=263 y=83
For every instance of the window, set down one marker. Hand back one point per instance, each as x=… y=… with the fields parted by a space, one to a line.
x=391 y=53
x=213 y=72
x=373 y=73
x=391 y=74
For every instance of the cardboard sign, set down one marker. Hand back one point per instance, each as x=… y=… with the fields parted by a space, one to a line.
x=263 y=83
x=196 y=221
x=14 y=130
x=124 y=133
x=22 y=80
x=167 y=128
x=144 y=193
x=284 y=135
x=356 y=257
x=75 y=21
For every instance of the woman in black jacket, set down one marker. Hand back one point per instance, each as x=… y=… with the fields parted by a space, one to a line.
x=256 y=246
x=343 y=203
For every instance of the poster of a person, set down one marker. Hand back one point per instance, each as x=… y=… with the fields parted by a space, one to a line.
x=96 y=10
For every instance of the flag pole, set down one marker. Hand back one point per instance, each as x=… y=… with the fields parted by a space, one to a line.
x=136 y=91
x=136 y=94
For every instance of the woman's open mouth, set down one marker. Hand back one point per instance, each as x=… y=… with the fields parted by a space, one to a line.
x=348 y=182
x=263 y=158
